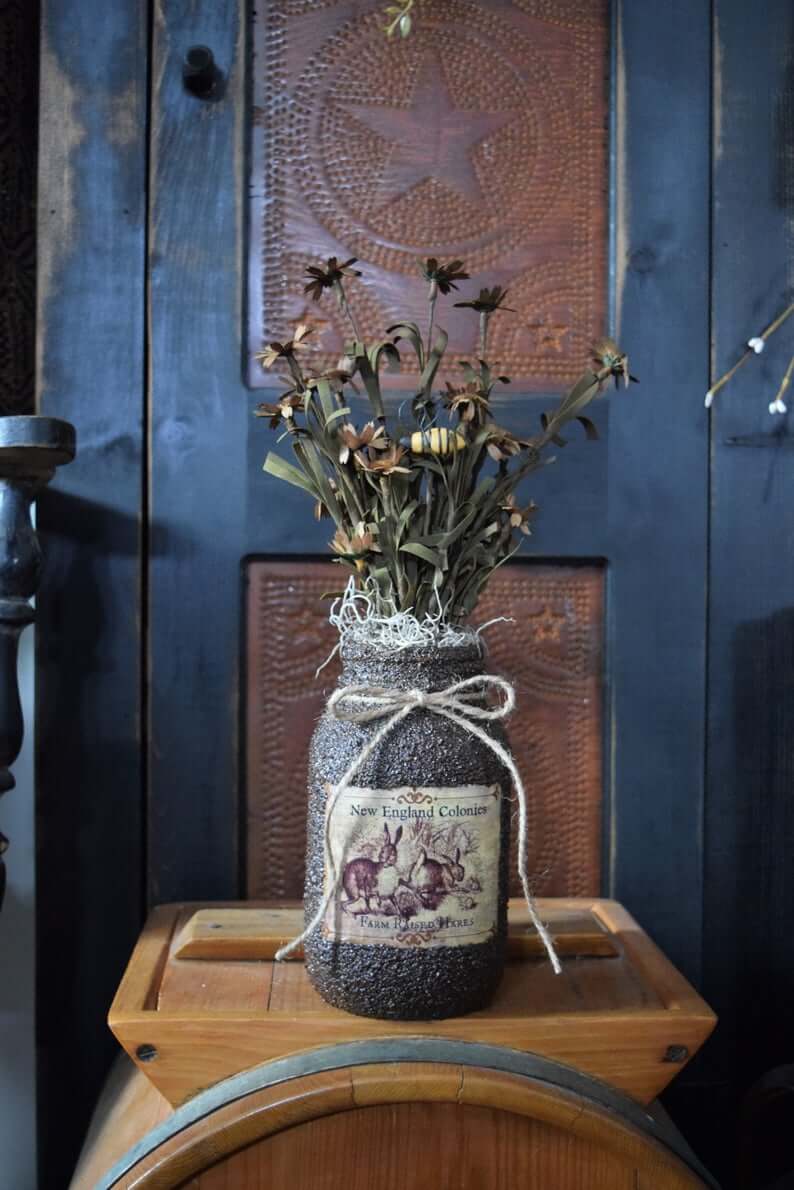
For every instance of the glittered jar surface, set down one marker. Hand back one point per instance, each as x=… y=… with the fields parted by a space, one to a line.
x=430 y=844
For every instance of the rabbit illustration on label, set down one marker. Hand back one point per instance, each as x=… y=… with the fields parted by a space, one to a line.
x=417 y=866
x=365 y=879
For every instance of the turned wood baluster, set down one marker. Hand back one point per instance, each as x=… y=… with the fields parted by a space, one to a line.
x=30 y=450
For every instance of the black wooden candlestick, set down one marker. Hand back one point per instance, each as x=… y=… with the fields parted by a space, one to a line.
x=30 y=450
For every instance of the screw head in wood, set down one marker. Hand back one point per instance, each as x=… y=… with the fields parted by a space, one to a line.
x=676 y=1053
x=146 y=1053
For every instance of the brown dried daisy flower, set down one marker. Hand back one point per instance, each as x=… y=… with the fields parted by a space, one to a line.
x=488 y=301
x=282 y=410
x=444 y=275
x=468 y=402
x=372 y=436
x=502 y=444
x=275 y=351
x=519 y=518
x=330 y=276
x=354 y=547
x=387 y=463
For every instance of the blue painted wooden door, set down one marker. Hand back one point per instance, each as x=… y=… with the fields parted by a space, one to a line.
x=636 y=499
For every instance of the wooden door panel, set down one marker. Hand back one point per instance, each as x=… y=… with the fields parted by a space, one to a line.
x=482 y=136
x=551 y=651
x=635 y=502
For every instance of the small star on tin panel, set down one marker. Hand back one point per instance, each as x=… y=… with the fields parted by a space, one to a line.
x=546 y=626
x=548 y=335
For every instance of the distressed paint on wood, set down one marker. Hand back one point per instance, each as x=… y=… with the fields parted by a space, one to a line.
x=91 y=230
x=199 y=417
x=658 y=473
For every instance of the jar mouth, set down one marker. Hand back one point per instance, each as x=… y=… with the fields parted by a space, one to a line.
x=470 y=649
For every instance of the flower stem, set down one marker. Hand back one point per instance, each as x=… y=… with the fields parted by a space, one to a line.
x=785 y=382
x=749 y=352
x=344 y=306
x=431 y=297
x=484 y=316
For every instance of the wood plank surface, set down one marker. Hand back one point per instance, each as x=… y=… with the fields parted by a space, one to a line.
x=459 y=1147
x=199 y=426
x=249 y=933
x=90 y=371
x=614 y=1014
x=658 y=471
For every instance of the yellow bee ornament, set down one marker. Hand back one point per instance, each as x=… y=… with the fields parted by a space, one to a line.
x=436 y=441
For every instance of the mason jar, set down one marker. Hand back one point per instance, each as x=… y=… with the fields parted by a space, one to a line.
x=415 y=926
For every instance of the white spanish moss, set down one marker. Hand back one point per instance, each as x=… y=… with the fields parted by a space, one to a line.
x=365 y=616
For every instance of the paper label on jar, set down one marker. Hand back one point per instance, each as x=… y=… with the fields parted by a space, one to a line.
x=417 y=866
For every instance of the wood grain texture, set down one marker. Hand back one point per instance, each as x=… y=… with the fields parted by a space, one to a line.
x=197 y=493
x=390 y=1124
x=248 y=933
x=658 y=484
x=127 y=1109
x=383 y=150
x=551 y=650
x=90 y=371
x=613 y=1017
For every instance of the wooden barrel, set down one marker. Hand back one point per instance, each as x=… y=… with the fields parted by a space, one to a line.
x=398 y=1114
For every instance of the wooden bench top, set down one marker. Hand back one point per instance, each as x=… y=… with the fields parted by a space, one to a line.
x=202 y=999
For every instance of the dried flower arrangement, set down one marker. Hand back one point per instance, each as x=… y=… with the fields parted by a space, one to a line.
x=425 y=507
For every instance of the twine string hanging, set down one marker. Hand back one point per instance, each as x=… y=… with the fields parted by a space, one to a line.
x=370 y=704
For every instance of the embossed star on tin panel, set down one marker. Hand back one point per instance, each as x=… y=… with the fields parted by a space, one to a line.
x=483 y=140
x=430 y=138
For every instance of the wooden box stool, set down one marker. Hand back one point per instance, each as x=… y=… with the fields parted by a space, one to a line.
x=244 y=1077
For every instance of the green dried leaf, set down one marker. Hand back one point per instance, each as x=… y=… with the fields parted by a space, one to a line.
x=343 y=412
x=433 y=360
x=384 y=350
x=411 y=332
x=306 y=452
x=423 y=552
x=446 y=539
x=590 y=428
x=547 y=422
x=405 y=517
x=371 y=383
x=275 y=465
x=327 y=403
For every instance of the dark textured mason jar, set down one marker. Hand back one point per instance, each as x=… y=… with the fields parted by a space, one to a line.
x=416 y=928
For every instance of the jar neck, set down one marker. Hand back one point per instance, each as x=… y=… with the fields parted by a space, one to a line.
x=412 y=669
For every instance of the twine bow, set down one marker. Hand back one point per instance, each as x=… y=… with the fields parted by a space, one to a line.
x=458 y=703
